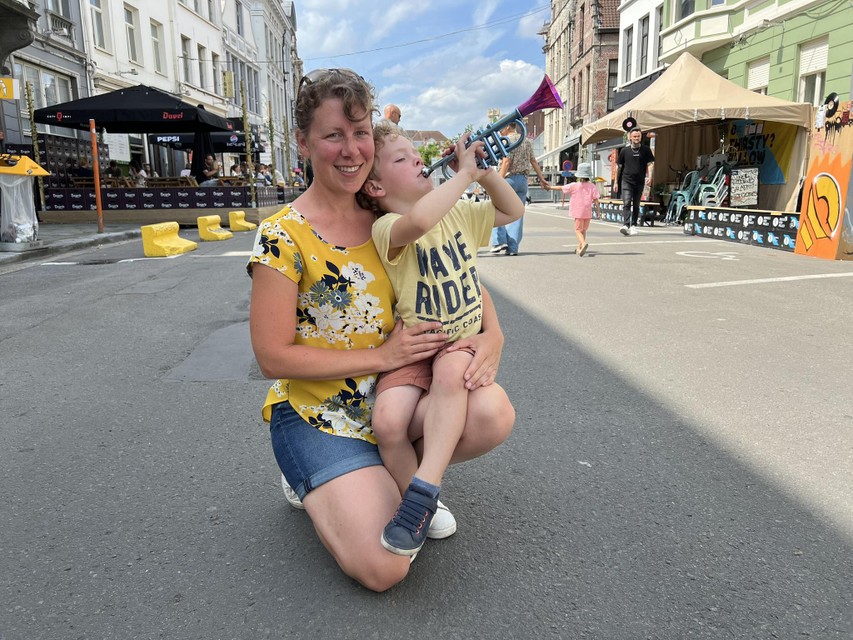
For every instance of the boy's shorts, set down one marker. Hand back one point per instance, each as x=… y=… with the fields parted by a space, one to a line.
x=417 y=374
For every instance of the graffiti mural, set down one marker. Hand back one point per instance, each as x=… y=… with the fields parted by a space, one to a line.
x=827 y=190
x=768 y=145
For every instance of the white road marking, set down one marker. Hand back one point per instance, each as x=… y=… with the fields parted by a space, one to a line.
x=227 y=254
x=632 y=243
x=734 y=283
x=715 y=255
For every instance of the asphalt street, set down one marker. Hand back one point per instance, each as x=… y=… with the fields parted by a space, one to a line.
x=681 y=465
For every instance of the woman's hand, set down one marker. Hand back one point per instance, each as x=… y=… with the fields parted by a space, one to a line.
x=487 y=347
x=405 y=346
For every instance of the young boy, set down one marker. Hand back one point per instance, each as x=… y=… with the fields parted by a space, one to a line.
x=428 y=246
x=582 y=196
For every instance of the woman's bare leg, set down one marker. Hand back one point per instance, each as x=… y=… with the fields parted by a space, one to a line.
x=349 y=514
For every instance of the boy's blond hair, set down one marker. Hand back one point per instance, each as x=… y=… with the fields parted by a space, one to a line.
x=382 y=131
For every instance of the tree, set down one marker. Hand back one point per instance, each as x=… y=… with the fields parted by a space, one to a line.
x=429 y=152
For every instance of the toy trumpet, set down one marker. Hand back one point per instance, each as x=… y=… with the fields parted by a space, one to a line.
x=497 y=146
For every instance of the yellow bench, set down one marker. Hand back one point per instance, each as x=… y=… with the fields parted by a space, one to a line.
x=209 y=229
x=161 y=240
x=237 y=221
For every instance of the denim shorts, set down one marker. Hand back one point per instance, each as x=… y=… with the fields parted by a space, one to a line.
x=309 y=457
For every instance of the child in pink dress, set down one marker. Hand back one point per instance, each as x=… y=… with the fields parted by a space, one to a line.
x=582 y=195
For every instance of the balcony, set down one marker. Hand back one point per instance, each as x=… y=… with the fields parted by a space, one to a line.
x=60 y=26
x=576 y=115
x=718 y=25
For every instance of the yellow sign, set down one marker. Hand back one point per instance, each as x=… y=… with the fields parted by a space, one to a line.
x=9 y=89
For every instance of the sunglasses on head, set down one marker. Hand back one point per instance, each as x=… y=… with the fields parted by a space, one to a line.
x=315 y=75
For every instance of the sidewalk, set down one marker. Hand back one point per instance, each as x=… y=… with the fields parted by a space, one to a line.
x=62 y=238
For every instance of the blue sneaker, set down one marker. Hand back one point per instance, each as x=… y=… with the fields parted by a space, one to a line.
x=407 y=531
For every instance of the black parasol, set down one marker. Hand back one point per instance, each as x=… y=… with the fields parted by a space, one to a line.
x=138 y=109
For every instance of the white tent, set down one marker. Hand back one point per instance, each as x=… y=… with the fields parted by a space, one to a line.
x=687 y=92
x=685 y=107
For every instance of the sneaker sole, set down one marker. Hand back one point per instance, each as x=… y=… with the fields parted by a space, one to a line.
x=624 y=232
x=583 y=250
x=441 y=534
x=400 y=552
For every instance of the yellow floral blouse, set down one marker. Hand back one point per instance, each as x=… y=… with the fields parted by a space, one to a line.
x=345 y=301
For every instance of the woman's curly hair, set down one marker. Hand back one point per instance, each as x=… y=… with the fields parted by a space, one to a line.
x=353 y=90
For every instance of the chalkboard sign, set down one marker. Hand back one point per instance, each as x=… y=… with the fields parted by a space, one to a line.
x=743 y=187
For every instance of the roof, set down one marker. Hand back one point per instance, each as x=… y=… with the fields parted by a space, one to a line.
x=426 y=136
x=688 y=91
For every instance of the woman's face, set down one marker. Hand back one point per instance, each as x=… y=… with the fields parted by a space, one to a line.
x=341 y=152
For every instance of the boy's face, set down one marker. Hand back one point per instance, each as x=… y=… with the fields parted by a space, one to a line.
x=400 y=170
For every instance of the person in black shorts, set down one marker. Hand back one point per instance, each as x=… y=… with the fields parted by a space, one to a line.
x=633 y=171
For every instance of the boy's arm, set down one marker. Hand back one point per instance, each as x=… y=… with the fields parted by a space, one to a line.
x=431 y=208
x=508 y=206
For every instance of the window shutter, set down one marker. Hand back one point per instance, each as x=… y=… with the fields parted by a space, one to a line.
x=759 y=74
x=814 y=56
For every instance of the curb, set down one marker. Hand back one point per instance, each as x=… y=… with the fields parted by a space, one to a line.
x=68 y=245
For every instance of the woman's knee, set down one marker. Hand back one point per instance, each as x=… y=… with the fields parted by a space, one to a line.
x=379 y=573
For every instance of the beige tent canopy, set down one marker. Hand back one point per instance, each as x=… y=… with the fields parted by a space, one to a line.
x=687 y=92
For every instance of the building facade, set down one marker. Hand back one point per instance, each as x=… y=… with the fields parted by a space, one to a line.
x=581 y=57
x=54 y=64
x=201 y=50
x=797 y=50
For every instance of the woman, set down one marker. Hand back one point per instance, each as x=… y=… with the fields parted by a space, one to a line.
x=138 y=174
x=515 y=168
x=321 y=323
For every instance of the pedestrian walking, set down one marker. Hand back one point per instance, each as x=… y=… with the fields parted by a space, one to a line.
x=634 y=168
x=582 y=196
x=515 y=168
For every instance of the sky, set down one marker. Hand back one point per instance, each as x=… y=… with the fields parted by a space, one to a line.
x=443 y=62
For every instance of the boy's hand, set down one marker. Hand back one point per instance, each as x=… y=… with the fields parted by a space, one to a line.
x=466 y=157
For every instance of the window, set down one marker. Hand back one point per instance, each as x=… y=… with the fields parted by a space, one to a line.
x=133 y=45
x=612 y=79
x=629 y=52
x=59 y=7
x=99 y=33
x=211 y=10
x=715 y=3
x=186 y=55
x=580 y=30
x=813 y=59
x=758 y=75
x=686 y=8
x=589 y=88
x=202 y=76
x=644 y=45
x=239 y=8
x=157 y=46
x=217 y=85
x=658 y=29
x=48 y=88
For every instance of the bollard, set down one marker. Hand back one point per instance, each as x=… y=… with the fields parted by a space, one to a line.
x=161 y=240
x=237 y=221
x=209 y=229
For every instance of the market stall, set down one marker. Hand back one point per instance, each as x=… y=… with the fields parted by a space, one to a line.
x=702 y=122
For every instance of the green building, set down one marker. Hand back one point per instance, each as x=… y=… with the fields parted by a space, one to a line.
x=798 y=50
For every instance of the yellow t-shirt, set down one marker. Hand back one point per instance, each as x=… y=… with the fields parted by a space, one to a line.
x=345 y=301
x=435 y=277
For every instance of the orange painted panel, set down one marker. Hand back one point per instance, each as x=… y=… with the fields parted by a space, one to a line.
x=825 y=190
